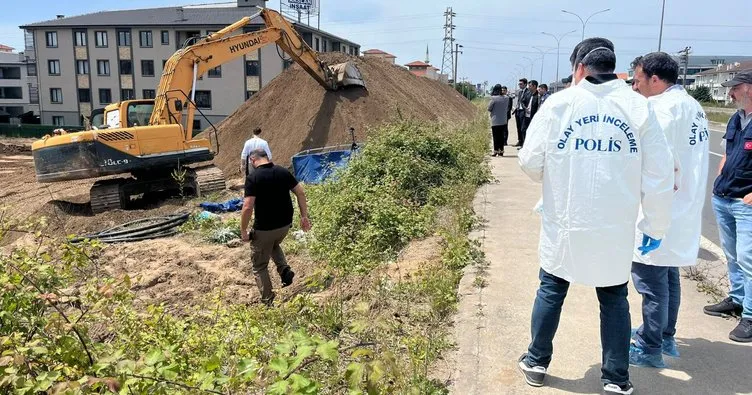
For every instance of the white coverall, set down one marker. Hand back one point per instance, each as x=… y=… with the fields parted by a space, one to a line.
x=686 y=129
x=600 y=153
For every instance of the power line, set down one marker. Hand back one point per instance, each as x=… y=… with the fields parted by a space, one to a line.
x=609 y=23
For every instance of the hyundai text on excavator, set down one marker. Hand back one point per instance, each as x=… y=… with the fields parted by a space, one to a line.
x=151 y=138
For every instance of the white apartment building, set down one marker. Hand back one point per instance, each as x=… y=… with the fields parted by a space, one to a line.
x=18 y=92
x=714 y=77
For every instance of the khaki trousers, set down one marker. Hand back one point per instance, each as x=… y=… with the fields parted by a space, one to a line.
x=265 y=244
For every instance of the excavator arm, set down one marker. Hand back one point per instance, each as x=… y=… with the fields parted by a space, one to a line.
x=186 y=65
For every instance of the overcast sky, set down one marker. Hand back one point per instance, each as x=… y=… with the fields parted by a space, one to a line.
x=496 y=34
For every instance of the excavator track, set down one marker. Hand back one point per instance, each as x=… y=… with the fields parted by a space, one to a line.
x=208 y=179
x=106 y=195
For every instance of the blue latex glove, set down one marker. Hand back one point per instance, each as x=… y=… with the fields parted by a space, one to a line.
x=649 y=244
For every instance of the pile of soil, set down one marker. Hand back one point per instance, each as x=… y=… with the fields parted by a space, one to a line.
x=14 y=149
x=295 y=113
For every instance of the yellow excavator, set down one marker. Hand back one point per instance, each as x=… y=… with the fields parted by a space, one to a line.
x=151 y=138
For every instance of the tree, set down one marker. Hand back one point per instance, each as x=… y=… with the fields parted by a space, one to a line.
x=467 y=89
x=701 y=94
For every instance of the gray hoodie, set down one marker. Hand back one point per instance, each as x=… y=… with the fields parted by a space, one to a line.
x=499 y=108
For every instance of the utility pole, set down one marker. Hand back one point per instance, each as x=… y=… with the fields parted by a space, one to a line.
x=660 y=35
x=685 y=59
x=457 y=53
x=447 y=59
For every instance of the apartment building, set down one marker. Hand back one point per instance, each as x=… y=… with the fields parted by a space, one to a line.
x=713 y=78
x=19 y=97
x=86 y=62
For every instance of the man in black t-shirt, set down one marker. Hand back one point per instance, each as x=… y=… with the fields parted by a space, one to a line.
x=267 y=191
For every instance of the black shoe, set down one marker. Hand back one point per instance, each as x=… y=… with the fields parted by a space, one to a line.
x=624 y=389
x=725 y=308
x=743 y=332
x=534 y=375
x=287 y=277
x=501 y=153
x=495 y=154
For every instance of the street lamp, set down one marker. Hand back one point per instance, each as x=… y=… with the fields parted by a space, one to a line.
x=558 y=46
x=660 y=35
x=532 y=63
x=543 y=60
x=584 y=23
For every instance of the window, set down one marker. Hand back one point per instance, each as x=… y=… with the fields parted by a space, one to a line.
x=103 y=67
x=56 y=95
x=82 y=67
x=31 y=69
x=215 y=72
x=79 y=38
x=58 y=120
x=145 y=39
x=324 y=49
x=126 y=94
x=196 y=125
x=11 y=92
x=317 y=44
x=101 y=39
x=84 y=96
x=105 y=96
x=10 y=73
x=249 y=94
x=164 y=62
x=165 y=37
x=124 y=38
x=33 y=95
x=252 y=68
x=126 y=67
x=147 y=68
x=149 y=93
x=203 y=99
x=51 y=39
x=53 y=65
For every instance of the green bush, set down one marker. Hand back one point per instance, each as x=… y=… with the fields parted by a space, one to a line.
x=389 y=194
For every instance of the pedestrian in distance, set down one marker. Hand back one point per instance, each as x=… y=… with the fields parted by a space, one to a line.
x=250 y=145
x=656 y=274
x=499 y=108
x=267 y=193
x=732 y=203
x=523 y=98
x=531 y=108
x=600 y=153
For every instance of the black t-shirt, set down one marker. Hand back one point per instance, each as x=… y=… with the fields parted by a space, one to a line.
x=271 y=185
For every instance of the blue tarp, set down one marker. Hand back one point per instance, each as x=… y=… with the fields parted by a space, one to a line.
x=312 y=167
x=228 y=206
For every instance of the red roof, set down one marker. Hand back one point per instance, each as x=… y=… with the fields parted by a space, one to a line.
x=5 y=48
x=418 y=63
x=379 y=52
x=622 y=76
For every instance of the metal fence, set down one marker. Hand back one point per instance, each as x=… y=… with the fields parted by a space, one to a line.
x=31 y=131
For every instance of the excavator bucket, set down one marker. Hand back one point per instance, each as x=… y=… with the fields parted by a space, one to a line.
x=346 y=74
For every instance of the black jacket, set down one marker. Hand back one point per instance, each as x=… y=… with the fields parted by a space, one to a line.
x=534 y=105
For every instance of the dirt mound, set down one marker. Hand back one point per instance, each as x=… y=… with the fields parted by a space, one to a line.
x=14 y=149
x=295 y=113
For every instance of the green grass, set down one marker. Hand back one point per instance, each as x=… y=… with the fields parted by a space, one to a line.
x=718 y=117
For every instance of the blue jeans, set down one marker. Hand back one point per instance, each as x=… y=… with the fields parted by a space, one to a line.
x=615 y=326
x=661 y=295
x=735 y=226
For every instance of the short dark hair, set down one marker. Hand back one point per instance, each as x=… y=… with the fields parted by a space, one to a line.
x=659 y=64
x=496 y=90
x=544 y=86
x=596 y=54
x=534 y=83
x=523 y=80
x=504 y=87
x=258 y=153
x=256 y=131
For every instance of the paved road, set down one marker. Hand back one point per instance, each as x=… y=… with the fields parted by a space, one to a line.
x=709 y=225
